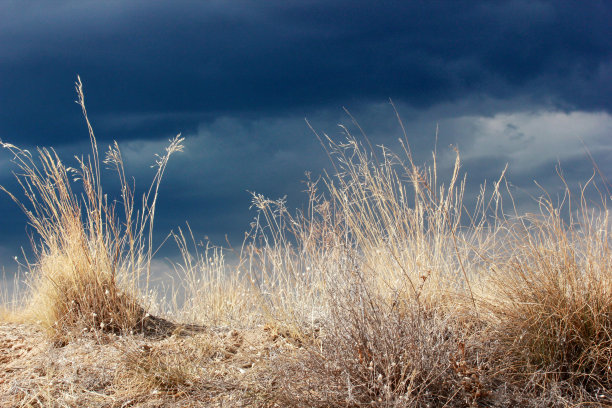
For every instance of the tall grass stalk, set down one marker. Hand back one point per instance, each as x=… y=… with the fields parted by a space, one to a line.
x=89 y=259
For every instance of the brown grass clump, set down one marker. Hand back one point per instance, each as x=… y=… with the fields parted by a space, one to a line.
x=380 y=273
x=89 y=262
x=376 y=355
x=551 y=296
x=408 y=299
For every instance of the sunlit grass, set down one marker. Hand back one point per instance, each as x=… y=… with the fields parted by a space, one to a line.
x=387 y=289
x=91 y=253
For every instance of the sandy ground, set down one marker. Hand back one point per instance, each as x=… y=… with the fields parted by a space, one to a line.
x=220 y=367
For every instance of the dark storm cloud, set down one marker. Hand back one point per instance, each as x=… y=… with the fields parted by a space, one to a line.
x=190 y=61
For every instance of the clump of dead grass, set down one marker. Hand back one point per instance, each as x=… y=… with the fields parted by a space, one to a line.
x=90 y=259
x=551 y=296
x=404 y=297
x=375 y=277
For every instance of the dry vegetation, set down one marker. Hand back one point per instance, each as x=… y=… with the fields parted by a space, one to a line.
x=386 y=291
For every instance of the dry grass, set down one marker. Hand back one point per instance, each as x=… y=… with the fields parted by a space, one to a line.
x=551 y=297
x=385 y=291
x=89 y=260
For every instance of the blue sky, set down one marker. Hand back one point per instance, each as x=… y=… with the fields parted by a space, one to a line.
x=517 y=82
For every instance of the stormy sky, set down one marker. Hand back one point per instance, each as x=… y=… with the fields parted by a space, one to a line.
x=519 y=82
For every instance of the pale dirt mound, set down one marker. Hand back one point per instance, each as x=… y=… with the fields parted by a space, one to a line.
x=216 y=367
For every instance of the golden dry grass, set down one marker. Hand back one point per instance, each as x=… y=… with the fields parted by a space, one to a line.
x=385 y=291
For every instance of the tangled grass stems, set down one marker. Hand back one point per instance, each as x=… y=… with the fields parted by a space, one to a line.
x=89 y=260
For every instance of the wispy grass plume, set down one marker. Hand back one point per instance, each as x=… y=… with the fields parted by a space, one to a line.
x=90 y=258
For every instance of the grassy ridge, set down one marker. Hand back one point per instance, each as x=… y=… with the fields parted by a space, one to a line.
x=391 y=291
